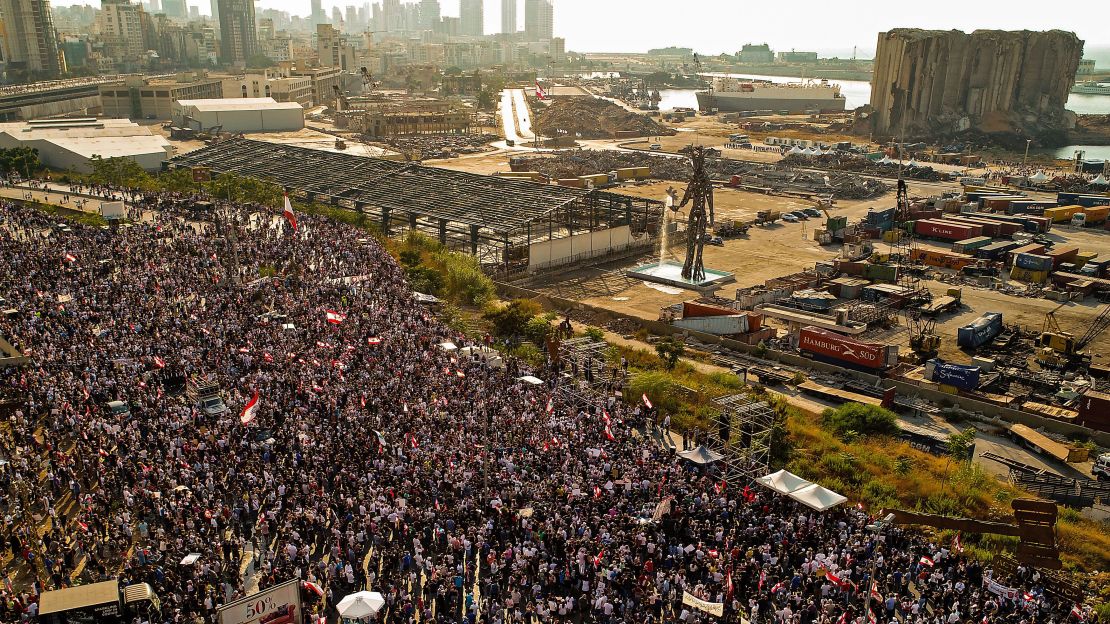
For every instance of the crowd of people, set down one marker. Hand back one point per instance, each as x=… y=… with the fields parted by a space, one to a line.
x=359 y=453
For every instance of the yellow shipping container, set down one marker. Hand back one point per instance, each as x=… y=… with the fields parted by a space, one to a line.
x=1061 y=214
x=1025 y=275
x=1097 y=213
x=628 y=173
x=892 y=236
x=596 y=178
x=642 y=172
x=949 y=389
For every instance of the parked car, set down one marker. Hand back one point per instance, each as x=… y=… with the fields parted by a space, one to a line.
x=790 y=218
x=655 y=147
x=801 y=215
x=813 y=212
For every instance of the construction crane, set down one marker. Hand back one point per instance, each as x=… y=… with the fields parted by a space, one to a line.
x=1059 y=348
x=924 y=339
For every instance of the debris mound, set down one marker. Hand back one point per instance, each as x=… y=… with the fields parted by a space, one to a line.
x=591 y=118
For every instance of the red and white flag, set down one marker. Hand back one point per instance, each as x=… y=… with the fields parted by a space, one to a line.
x=832 y=578
x=540 y=93
x=647 y=403
x=926 y=561
x=1077 y=611
x=314 y=588
x=250 y=410
x=609 y=433
x=875 y=593
x=870 y=616
x=597 y=559
x=597 y=492
x=762 y=579
x=335 y=318
x=373 y=341
x=843 y=618
x=84 y=527
x=728 y=584
x=70 y=258
x=777 y=586
x=957 y=544
x=159 y=362
x=550 y=409
x=288 y=213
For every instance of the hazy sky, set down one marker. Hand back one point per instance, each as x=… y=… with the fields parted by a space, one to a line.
x=714 y=26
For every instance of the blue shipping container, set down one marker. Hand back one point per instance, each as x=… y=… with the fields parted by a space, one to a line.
x=1066 y=199
x=1033 y=262
x=980 y=331
x=960 y=376
x=1088 y=201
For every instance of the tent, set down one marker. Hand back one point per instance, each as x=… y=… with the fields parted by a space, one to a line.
x=816 y=497
x=885 y=160
x=796 y=150
x=1100 y=180
x=360 y=605
x=701 y=455
x=529 y=379
x=1038 y=178
x=783 y=482
x=913 y=163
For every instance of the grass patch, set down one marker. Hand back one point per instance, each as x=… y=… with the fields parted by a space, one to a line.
x=69 y=215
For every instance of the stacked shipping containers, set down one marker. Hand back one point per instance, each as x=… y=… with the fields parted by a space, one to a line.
x=947 y=230
x=836 y=349
x=971 y=244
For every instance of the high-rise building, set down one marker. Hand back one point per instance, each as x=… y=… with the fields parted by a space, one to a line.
x=238 y=34
x=175 y=8
x=214 y=5
x=318 y=16
x=539 y=20
x=508 y=16
x=29 y=35
x=429 y=14
x=194 y=12
x=472 y=15
x=121 y=28
x=392 y=16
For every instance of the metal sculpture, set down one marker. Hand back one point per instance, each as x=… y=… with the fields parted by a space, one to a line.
x=700 y=191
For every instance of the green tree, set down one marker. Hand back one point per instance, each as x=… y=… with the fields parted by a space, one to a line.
x=259 y=61
x=21 y=160
x=119 y=171
x=510 y=321
x=857 y=418
x=453 y=70
x=960 y=445
x=670 y=350
x=236 y=188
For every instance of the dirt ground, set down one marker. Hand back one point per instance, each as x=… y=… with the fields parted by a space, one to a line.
x=784 y=248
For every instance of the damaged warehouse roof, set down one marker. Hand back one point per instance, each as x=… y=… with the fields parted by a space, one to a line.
x=497 y=204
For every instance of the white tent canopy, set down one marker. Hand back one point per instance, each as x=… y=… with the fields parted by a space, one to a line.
x=783 y=482
x=1100 y=180
x=360 y=605
x=1038 y=177
x=796 y=150
x=701 y=455
x=816 y=497
x=531 y=380
x=805 y=492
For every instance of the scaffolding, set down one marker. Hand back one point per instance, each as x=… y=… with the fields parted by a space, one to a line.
x=498 y=220
x=588 y=376
x=743 y=435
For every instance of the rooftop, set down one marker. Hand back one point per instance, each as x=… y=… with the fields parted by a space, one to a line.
x=232 y=104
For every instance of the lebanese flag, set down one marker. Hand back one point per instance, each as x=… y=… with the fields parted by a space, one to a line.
x=550 y=408
x=720 y=487
x=250 y=410
x=832 y=578
x=597 y=492
x=762 y=579
x=926 y=561
x=597 y=562
x=373 y=341
x=843 y=618
x=540 y=93
x=269 y=358
x=647 y=403
x=728 y=584
x=870 y=616
x=288 y=213
x=335 y=318
x=313 y=587
x=957 y=545
x=1027 y=597
x=70 y=258
x=609 y=433
x=1078 y=613
x=159 y=362
x=875 y=591
x=84 y=527
x=777 y=586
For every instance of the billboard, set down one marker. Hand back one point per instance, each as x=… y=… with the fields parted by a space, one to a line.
x=112 y=210
x=201 y=174
x=280 y=604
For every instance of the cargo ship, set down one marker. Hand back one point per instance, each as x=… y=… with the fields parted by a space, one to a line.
x=1091 y=88
x=736 y=95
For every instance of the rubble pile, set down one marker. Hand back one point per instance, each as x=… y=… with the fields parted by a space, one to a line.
x=424 y=146
x=857 y=164
x=591 y=118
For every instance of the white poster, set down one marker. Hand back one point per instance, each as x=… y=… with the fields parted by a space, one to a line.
x=712 y=608
x=280 y=604
x=112 y=210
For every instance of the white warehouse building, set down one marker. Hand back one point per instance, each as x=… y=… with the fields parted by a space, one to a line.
x=238 y=115
x=72 y=143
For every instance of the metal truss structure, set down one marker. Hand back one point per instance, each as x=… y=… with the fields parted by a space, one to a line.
x=743 y=435
x=587 y=375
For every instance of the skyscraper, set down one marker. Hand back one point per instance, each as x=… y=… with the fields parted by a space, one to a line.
x=215 y=6
x=539 y=22
x=238 y=36
x=508 y=16
x=318 y=16
x=175 y=8
x=121 y=26
x=472 y=14
x=429 y=14
x=30 y=37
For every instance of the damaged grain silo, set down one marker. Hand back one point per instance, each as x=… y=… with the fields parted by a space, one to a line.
x=933 y=82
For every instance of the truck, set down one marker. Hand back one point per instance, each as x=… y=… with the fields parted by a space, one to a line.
x=106 y=602
x=206 y=396
x=729 y=229
x=1101 y=469
x=763 y=217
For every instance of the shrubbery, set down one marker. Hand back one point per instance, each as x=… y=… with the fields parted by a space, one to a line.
x=859 y=419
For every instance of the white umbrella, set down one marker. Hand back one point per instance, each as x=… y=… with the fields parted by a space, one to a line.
x=361 y=604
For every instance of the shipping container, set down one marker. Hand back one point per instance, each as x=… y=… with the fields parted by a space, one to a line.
x=947 y=230
x=881 y=273
x=1027 y=275
x=1063 y=254
x=692 y=309
x=1032 y=248
x=1033 y=262
x=835 y=224
x=1096 y=215
x=971 y=244
x=990 y=228
x=1062 y=214
x=1067 y=199
x=851 y=268
x=880 y=216
x=957 y=375
x=571 y=182
x=715 y=325
x=942 y=259
x=1000 y=203
x=979 y=196
x=1094 y=410
x=843 y=350
x=980 y=331
x=633 y=173
x=1024 y=222
x=995 y=251
x=1088 y=201
x=1029 y=206
x=597 y=179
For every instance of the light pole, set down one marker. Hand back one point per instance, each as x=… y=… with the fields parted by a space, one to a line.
x=876 y=528
x=1026 y=158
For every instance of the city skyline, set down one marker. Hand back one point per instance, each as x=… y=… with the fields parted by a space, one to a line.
x=587 y=25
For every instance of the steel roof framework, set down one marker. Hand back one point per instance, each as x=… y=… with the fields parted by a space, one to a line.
x=488 y=215
x=743 y=436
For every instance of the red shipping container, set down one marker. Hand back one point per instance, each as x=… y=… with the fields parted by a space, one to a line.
x=693 y=309
x=1062 y=254
x=947 y=230
x=838 y=347
x=1094 y=410
x=990 y=228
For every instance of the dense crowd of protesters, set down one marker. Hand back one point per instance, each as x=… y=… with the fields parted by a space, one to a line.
x=378 y=459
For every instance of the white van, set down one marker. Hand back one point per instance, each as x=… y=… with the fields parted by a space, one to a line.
x=1101 y=469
